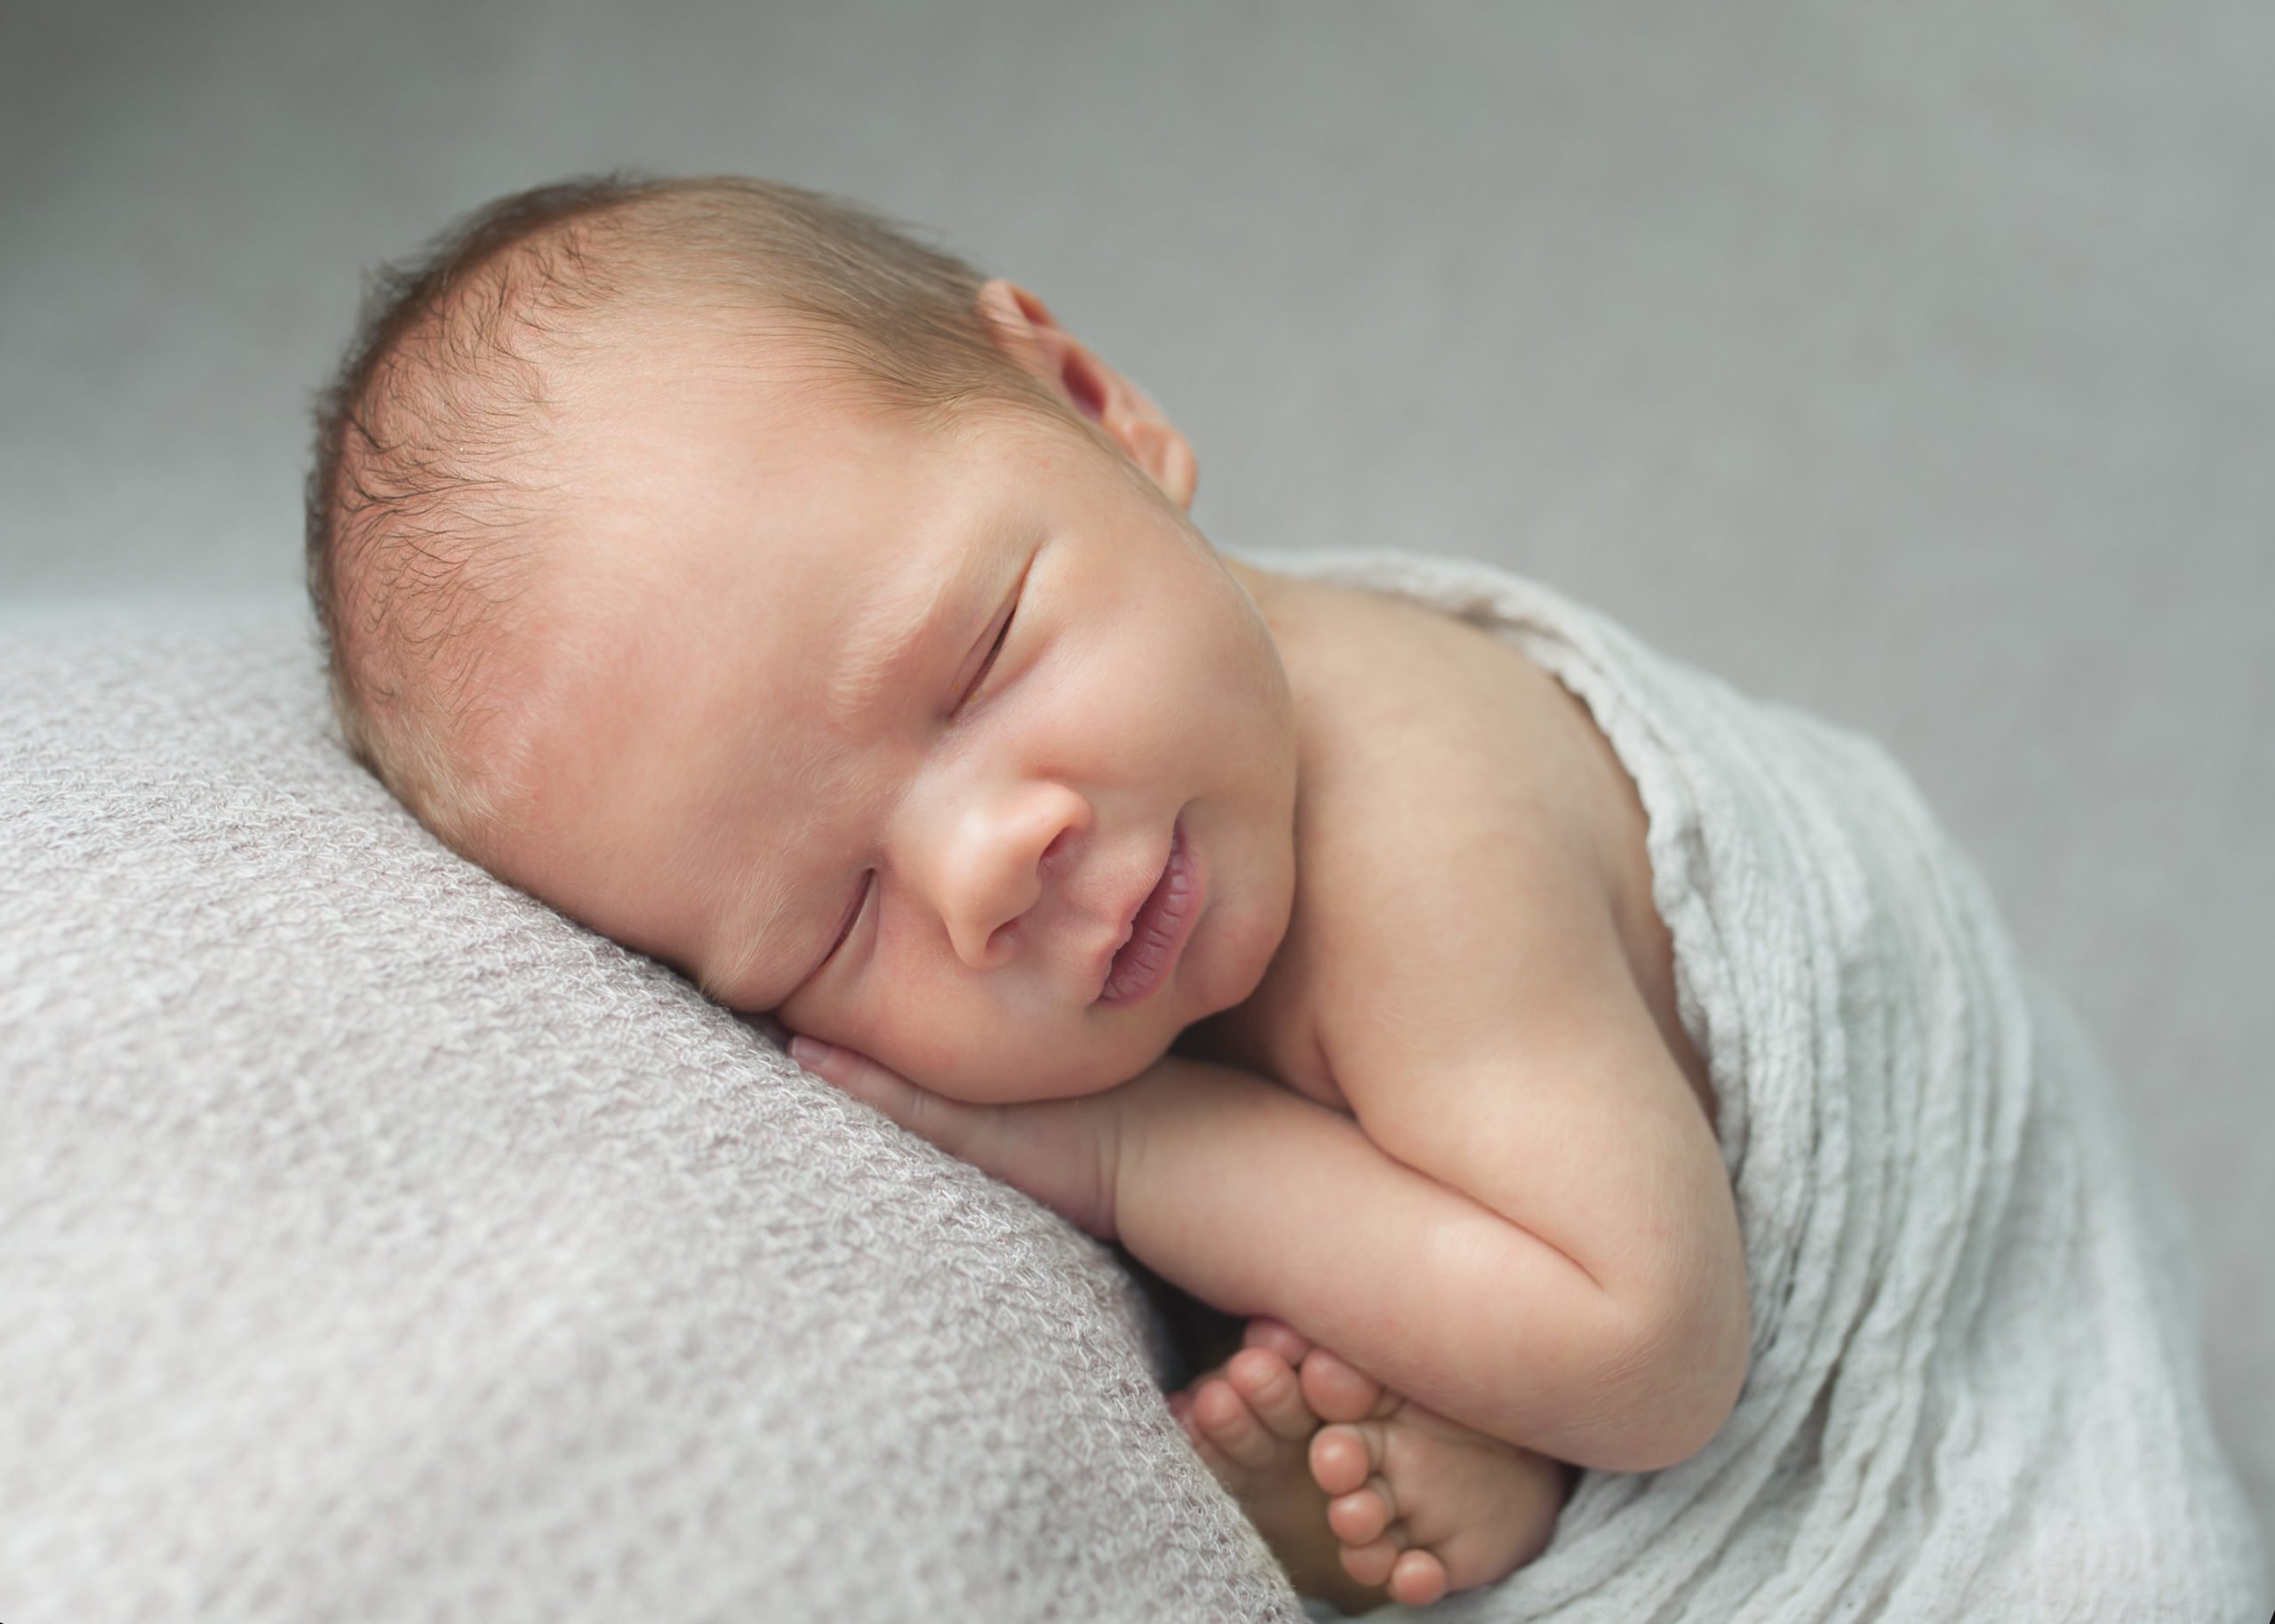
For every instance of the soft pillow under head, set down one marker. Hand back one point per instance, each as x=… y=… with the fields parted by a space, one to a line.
x=375 y=1244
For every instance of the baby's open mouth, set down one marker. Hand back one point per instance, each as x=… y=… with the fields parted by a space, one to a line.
x=1158 y=932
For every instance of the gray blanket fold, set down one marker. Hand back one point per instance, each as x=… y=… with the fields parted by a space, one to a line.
x=375 y=1245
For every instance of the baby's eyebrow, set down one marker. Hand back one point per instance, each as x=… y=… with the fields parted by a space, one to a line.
x=895 y=633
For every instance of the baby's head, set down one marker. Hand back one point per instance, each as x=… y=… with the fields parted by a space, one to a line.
x=773 y=595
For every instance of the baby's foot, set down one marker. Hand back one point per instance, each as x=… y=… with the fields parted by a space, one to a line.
x=1250 y=1424
x=1420 y=1505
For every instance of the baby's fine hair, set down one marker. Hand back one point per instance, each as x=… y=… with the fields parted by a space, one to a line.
x=420 y=529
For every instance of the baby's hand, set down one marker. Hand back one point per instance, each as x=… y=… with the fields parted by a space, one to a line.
x=1062 y=1152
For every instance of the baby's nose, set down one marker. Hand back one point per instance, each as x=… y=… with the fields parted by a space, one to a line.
x=998 y=864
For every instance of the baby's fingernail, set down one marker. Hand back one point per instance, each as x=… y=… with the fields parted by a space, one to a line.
x=810 y=1053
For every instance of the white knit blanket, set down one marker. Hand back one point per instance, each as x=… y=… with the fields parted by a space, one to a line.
x=1975 y=1391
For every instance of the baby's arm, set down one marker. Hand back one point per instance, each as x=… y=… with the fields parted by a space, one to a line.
x=1532 y=1192
x=1262 y=1202
x=1604 y=1323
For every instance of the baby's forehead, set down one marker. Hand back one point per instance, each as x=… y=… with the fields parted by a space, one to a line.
x=675 y=553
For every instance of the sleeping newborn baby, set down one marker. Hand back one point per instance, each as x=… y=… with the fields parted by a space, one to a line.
x=782 y=600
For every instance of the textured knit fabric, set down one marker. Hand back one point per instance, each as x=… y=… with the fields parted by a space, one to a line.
x=1974 y=1391
x=375 y=1245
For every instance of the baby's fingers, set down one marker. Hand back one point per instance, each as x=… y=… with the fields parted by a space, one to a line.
x=1058 y=1152
x=946 y=1123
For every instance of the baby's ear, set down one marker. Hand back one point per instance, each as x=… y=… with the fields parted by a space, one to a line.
x=1023 y=325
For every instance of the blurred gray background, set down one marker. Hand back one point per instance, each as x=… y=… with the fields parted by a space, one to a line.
x=1914 y=363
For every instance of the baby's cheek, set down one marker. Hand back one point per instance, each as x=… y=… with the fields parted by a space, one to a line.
x=957 y=1040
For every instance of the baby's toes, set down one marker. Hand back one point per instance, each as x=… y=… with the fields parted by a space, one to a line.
x=1416 y=1579
x=1226 y=1421
x=1373 y=1563
x=1364 y=1515
x=1338 y=1391
x=1276 y=1336
x=1273 y=1392
x=1344 y=1458
x=1212 y=1457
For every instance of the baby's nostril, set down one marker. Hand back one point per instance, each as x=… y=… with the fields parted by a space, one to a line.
x=1057 y=848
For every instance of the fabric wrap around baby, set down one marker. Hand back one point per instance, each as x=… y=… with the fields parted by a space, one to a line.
x=1974 y=1389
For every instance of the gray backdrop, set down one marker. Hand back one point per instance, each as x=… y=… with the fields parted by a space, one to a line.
x=1915 y=363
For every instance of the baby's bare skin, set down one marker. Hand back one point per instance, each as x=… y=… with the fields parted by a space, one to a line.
x=1431 y=1118
x=1419 y=1504
x=1364 y=1496
x=1471 y=874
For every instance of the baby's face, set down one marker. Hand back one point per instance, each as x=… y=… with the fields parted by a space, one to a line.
x=956 y=747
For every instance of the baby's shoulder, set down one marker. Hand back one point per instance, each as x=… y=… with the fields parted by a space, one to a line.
x=1376 y=674
x=1416 y=728
x=1466 y=841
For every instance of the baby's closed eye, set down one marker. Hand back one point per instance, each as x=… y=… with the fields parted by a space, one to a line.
x=998 y=633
